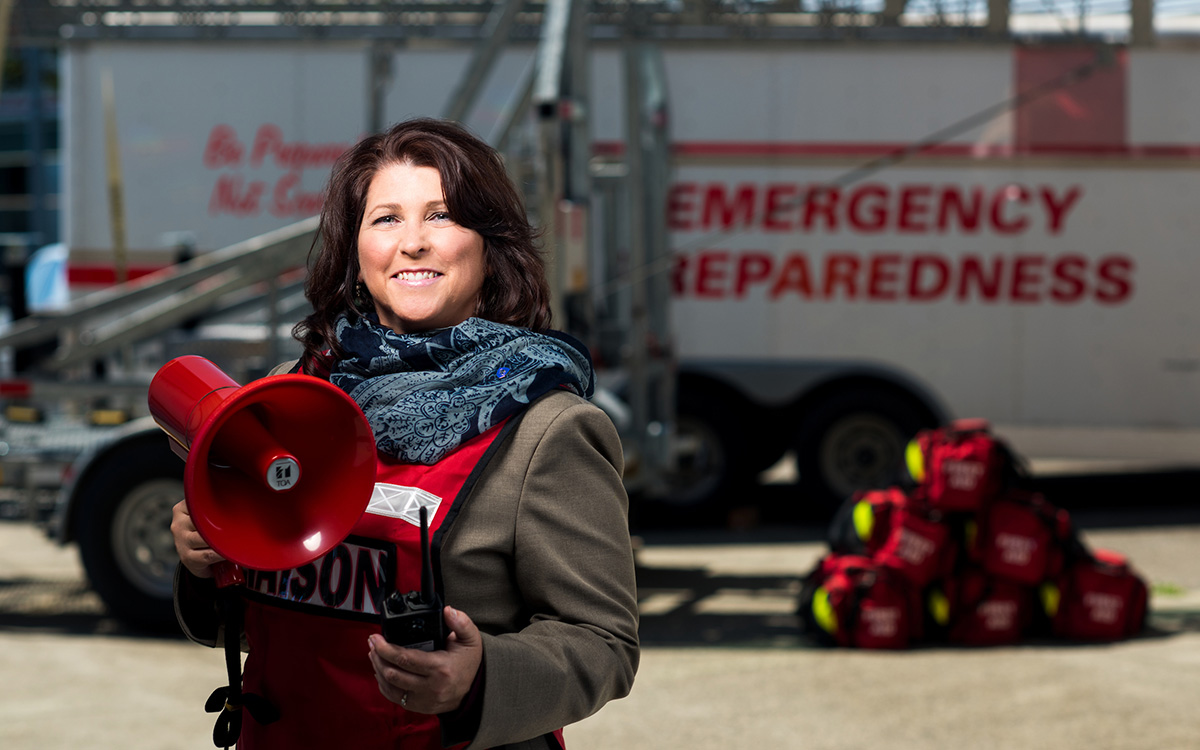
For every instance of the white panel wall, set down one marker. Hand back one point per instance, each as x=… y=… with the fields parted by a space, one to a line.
x=169 y=98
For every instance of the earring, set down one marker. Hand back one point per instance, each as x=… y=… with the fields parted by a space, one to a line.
x=362 y=297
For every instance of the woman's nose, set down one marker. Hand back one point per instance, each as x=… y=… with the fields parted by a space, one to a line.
x=412 y=239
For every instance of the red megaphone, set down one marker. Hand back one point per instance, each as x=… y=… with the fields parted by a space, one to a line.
x=278 y=471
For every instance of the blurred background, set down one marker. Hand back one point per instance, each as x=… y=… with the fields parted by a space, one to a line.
x=792 y=233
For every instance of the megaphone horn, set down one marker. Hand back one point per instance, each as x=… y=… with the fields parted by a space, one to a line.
x=277 y=472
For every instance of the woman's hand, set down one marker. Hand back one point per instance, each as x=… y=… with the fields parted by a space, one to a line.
x=194 y=552
x=429 y=682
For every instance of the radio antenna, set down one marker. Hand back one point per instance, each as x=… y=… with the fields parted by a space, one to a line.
x=428 y=595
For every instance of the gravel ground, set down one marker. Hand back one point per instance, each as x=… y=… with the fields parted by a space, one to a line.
x=722 y=666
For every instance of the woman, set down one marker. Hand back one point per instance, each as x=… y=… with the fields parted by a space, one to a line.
x=431 y=310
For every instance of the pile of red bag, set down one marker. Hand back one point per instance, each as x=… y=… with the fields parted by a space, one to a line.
x=967 y=555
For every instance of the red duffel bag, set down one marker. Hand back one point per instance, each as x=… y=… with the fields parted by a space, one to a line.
x=960 y=466
x=1098 y=597
x=975 y=609
x=853 y=601
x=918 y=545
x=862 y=523
x=1022 y=538
x=898 y=530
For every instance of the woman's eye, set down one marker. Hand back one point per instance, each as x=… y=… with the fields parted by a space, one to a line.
x=440 y=216
x=389 y=219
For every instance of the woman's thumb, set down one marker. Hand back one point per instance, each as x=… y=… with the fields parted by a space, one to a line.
x=461 y=626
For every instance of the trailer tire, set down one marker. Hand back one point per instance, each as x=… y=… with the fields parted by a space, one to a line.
x=123 y=527
x=718 y=457
x=854 y=439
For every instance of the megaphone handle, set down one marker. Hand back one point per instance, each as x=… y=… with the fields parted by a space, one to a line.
x=228 y=574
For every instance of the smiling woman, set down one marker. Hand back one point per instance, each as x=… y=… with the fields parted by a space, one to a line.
x=431 y=310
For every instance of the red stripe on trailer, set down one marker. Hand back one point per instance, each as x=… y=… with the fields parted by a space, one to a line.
x=105 y=275
x=16 y=389
x=752 y=149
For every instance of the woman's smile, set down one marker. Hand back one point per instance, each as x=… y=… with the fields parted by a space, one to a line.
x=415 y=277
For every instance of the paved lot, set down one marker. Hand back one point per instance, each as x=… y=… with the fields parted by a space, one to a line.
x=722 y=665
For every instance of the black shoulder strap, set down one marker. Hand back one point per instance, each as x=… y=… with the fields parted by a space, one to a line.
x=435 y=545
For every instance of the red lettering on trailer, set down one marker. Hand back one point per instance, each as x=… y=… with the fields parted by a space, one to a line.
x=986 y=281
x=821 y=201
x=966 y=205
x=266 y=137
x=1116 y=283
x=223 y=148
x=929 y=275
x=871 y=208
x=896 y=277
x=289 y=198
x=268 y=141
x=1069 y=284
x=233 y=195
x=779 y=201
x=866 y=209
x=914 y=209
x=841 y=270
x=679 y=265
x=752 y=268
x=729 y=211
x=795 y=277
x=1004 y=219
x=1056 y=208
x=1027 y=278
x=712 y=272
x=883 y=277
x=681 y=206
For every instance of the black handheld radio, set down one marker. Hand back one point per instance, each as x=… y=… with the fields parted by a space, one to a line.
x=414 y=620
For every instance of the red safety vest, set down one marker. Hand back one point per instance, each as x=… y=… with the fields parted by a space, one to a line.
x=308 y=627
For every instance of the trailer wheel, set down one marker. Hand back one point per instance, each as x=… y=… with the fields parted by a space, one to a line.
x=718 y=456
x=124 y=532
x=853 y=440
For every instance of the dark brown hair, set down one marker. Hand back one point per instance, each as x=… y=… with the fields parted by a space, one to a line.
x=479 y=196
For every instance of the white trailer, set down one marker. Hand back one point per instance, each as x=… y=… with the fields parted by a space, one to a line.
x=864 y=239
x=958 y=229
x=873 y=236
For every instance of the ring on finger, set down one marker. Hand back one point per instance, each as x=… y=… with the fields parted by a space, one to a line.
x=404 y=700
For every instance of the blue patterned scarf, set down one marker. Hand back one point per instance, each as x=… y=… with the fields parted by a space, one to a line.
x=425 y=394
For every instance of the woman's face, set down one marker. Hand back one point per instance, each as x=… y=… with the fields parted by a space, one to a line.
x=423 y=270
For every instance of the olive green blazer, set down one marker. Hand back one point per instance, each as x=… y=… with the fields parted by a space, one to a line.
x=541 y=559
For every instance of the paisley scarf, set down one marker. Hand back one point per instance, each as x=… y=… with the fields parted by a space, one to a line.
x=425 y=394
